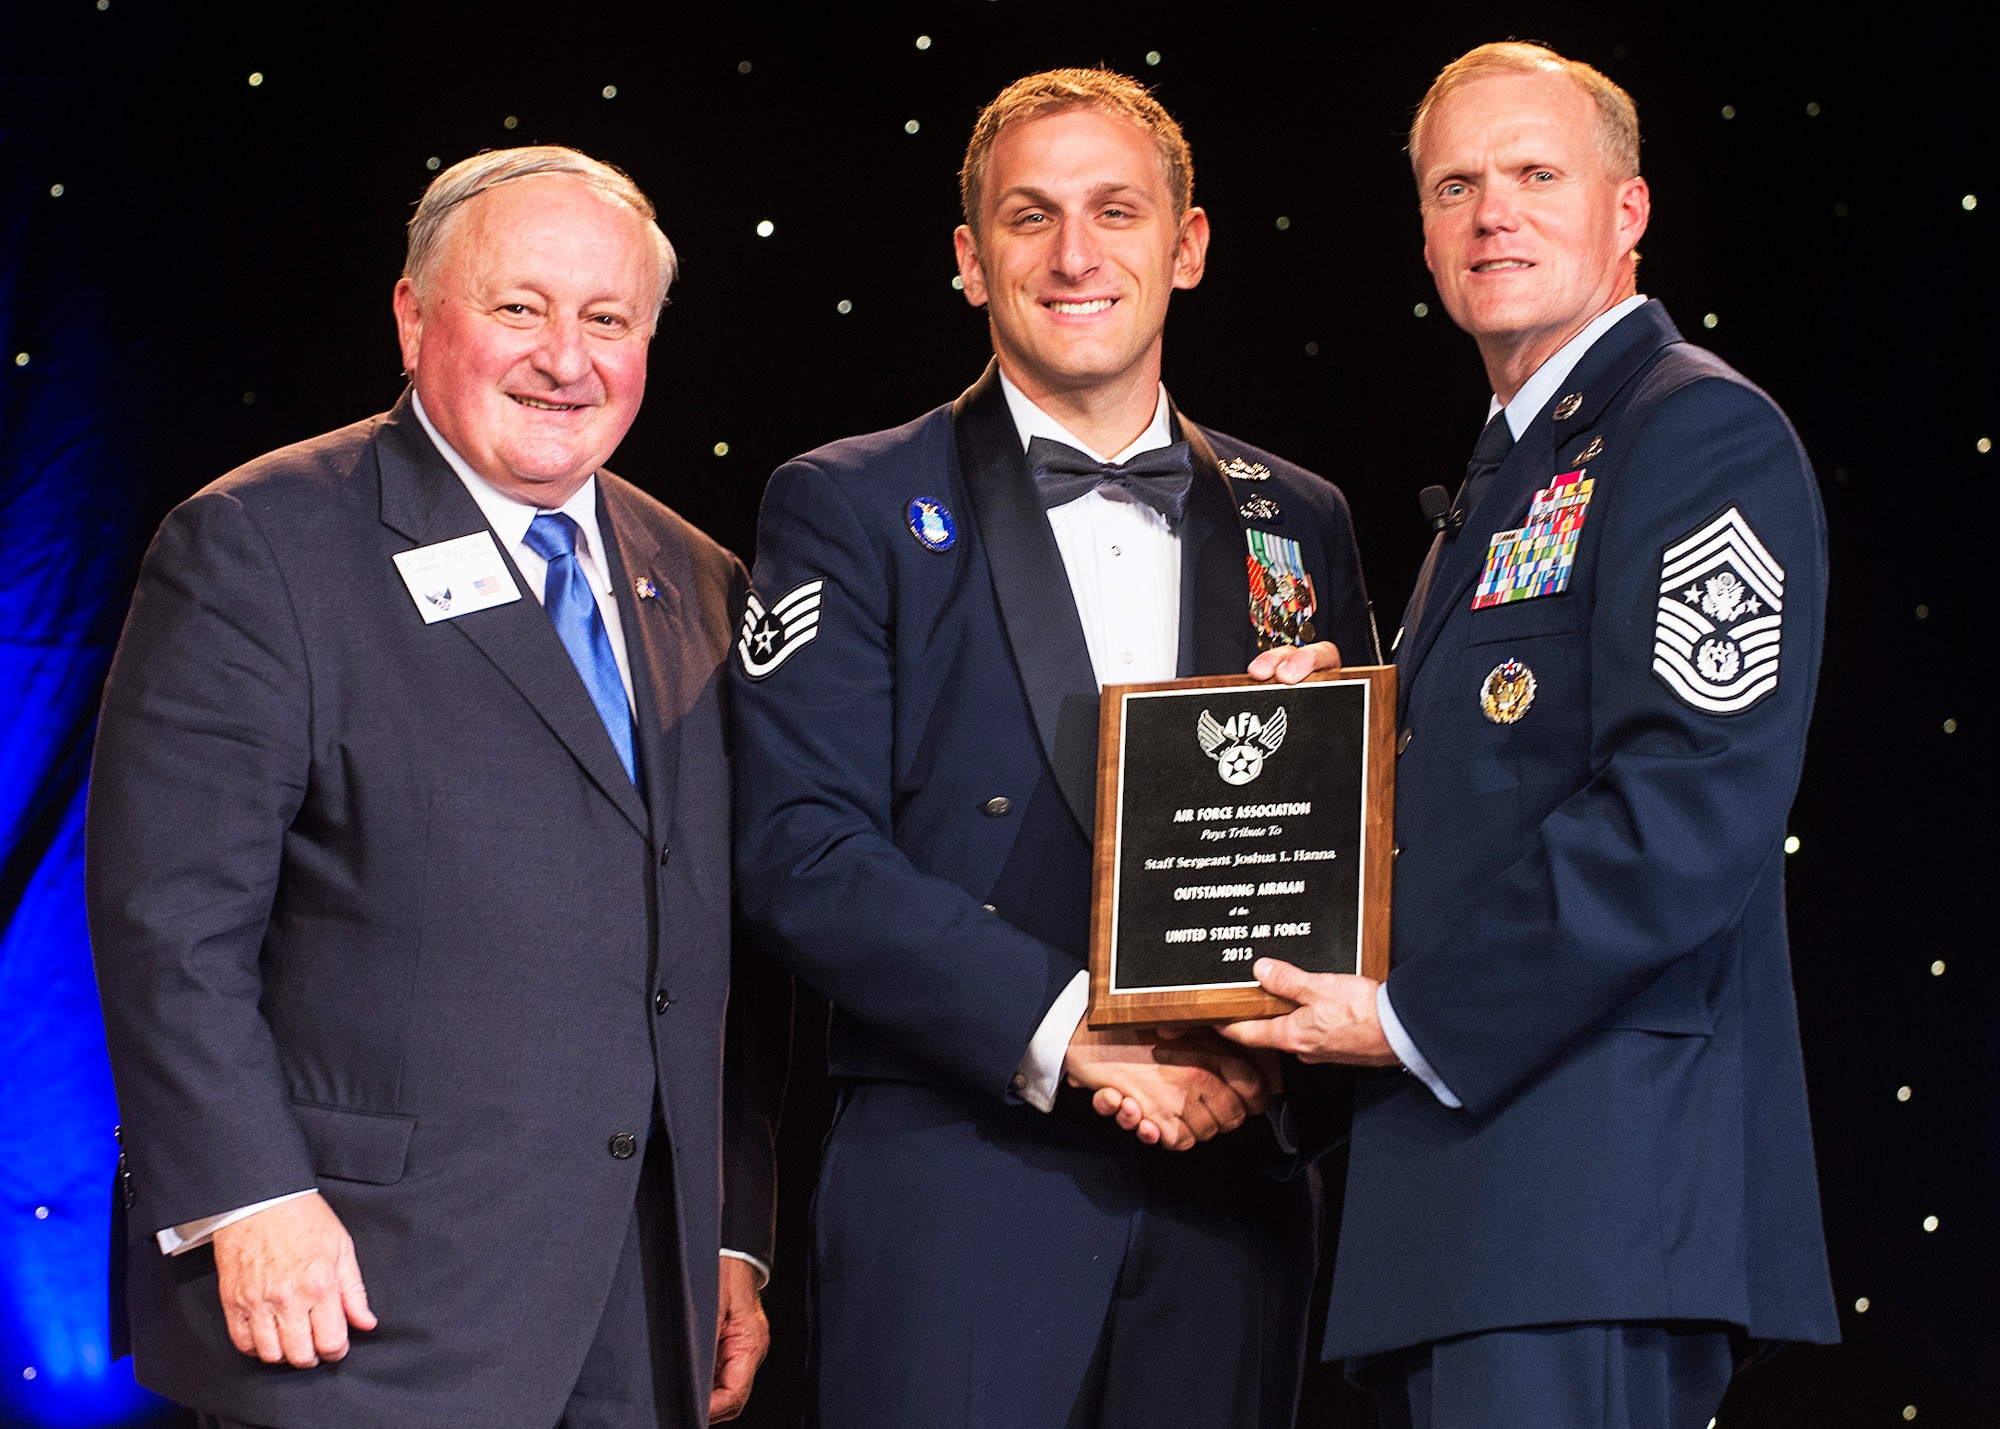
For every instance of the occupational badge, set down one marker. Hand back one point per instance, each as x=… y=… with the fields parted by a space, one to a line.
x=932 y=525
x=1566 y=408
x=1281 y=592
x=1715 y=643
x=1536 y=558
x=773 y=635
x=1237 y=469
x=1261 y=508
x=1240 y=744
x=1589 y=453
x=1507 y=693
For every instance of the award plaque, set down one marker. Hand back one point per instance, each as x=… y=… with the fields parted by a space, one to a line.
x=1239 y=819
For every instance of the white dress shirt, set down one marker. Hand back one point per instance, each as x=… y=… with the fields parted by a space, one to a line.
x=510 y=520
x=1536 y=393
x=1124 y=565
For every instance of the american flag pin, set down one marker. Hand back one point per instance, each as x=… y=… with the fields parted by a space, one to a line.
x=645 y=587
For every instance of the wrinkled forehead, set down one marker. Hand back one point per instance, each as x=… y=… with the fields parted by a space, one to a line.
x=557 y=222
x=1548 y=114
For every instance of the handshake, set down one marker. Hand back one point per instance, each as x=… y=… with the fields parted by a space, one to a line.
x=1170 y=1087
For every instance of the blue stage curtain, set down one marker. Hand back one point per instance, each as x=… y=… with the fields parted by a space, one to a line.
x=70 y=518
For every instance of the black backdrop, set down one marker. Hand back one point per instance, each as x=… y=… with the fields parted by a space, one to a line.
x=231 y=248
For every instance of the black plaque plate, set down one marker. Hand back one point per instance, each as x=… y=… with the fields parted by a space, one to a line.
x=1238 y=820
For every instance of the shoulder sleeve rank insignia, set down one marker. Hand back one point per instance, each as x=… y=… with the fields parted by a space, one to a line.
x=772 y=636
x=1715 y=643
x=1237 y=469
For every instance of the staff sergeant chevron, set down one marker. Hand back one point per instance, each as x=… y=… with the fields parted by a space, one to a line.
x=1715 y=644
x=771 y=637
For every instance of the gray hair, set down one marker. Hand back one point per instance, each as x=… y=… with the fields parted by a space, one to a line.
x=469 y=178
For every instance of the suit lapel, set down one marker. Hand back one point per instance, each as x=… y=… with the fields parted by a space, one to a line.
x=1612 y=361
x=1031 y=586
x=1216 y=635
x=424 y=501
x=655 y=638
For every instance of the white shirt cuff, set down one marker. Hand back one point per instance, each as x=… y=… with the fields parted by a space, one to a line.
x=192 y=1235
x=763 y=1270
x=1413 y=1060
x=1041 y=1067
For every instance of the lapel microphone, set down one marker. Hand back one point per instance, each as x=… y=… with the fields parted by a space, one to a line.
x=1435 y=503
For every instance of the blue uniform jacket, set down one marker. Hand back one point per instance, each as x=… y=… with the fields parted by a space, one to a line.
x=916 y=723
x=1589 y=930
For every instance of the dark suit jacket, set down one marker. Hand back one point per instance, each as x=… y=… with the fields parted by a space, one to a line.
x=1589 y=933
x=376 y=909
x=871 y=858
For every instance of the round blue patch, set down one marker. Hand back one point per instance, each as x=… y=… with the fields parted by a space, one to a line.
x=932 y=525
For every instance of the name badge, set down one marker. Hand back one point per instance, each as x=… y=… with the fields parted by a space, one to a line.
x=457 y=577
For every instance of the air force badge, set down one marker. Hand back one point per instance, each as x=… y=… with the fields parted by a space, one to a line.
x=1240 y=745
x=932 y=525
x=771 y=637
x=1715 y=643
x=1507 y=693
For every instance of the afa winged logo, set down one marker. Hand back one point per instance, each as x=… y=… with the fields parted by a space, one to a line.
x=1240 y=745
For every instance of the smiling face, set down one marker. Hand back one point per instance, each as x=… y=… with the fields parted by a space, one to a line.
x=1527 y=231
x=1077 y=251
x=529 y=349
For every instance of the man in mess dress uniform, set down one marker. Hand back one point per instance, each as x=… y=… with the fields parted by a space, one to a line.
x=935 y=609
x=1589 y=1194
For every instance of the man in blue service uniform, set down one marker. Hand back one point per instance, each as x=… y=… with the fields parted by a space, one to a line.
x=409 y=884
x=1594 y=1194
x=935 y=609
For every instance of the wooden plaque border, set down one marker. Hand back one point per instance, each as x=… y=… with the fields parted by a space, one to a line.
x=1158 y=1009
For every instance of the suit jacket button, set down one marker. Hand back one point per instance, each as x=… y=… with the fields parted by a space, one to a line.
x=664 y=852
x=623 y=1145
x=661 y=1002
x=998 y=807
x=1403 y=740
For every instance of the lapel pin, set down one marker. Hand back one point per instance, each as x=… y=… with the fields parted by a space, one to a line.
x=1566 y=408
x=931 y=524
x=645 y=588
x=1596 y=446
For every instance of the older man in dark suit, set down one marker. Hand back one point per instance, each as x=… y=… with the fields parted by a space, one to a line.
x=409 y=880
x=1593 y=1196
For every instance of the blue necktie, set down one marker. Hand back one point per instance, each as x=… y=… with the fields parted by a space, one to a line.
x=573 y=607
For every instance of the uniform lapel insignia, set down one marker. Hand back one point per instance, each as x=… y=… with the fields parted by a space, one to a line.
x=1589 y=453
x=1715 y=643
x=1261 y=508
x=1537 y=558
x=1566 y=408
x=1281 y=592
x=1237 y=469
x=772 y=636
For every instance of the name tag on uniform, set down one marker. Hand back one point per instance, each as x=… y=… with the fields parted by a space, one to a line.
x=457 y=577
x=1536 y=558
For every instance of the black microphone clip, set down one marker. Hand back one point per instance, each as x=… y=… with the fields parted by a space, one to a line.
x=1439 y=514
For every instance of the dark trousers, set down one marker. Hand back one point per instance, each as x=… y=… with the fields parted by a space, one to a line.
x=1608 y=1376
x=978 y=1266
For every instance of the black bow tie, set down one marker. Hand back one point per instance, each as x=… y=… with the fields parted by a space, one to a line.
x=1161 y=478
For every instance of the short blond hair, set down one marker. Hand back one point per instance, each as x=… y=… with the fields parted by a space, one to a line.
x=1617 y=116
x=1055 y=90
x=467 y=179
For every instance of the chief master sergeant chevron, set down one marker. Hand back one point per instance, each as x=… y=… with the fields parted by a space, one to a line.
x=1595 y=1195
x=915 y=709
